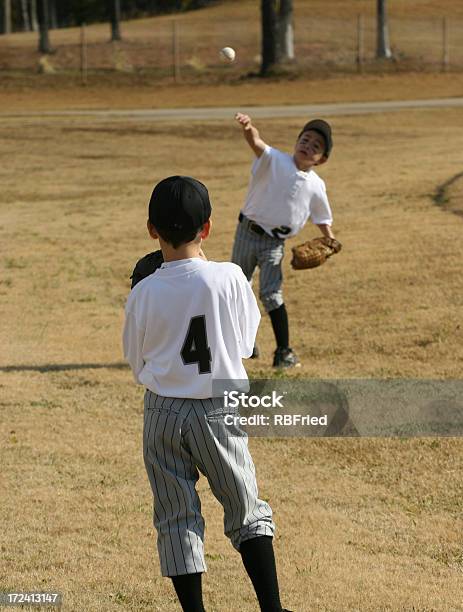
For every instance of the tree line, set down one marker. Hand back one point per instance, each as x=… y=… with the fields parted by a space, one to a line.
x=23 y=15
x=276 y=21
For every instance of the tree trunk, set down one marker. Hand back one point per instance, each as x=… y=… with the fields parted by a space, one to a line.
x=286 y=30
x=269 y=36
x=383 y=49
x=25 y=16
x=115 y=17
x=42 y=14
x=34 y=18
x=7 y=17
x=53 y=16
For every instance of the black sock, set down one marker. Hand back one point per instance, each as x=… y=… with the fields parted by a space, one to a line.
x=189 y=592
x=259 y=561
x=279 y=318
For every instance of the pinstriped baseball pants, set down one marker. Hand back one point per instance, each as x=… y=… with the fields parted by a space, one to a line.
x=251 y=250
x=180 y=437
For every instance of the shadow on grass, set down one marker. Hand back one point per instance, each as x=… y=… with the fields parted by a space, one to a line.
x=64 y=367
x=442 y=198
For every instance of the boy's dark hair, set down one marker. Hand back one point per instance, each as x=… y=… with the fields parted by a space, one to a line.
x=178 y=237
x=178 y=209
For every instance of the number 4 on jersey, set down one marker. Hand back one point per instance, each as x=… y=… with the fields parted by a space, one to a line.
x=195 y=349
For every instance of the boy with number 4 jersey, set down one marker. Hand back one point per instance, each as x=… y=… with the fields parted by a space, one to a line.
x=189 y=323
x=284 y=192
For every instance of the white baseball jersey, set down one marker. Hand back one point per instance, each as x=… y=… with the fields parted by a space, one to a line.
x=189 y=323
x=281 y=196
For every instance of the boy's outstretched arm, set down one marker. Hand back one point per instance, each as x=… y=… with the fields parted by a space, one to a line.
x=326 y=230
x=251 y=134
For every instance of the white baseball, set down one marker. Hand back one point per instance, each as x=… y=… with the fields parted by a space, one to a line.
x=227 y=54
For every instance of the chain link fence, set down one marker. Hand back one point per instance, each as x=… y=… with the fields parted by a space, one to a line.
x=187 y=48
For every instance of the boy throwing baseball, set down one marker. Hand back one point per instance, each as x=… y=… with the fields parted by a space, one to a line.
x=284 y=192
x=188 y=324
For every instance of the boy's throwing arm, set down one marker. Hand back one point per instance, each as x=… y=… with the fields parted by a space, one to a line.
x=251 y=134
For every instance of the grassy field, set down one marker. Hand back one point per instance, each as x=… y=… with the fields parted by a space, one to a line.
x=367 y=525
x=381 y=526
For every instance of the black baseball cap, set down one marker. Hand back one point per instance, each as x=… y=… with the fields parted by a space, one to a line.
x=179 y=203
x=323 y=128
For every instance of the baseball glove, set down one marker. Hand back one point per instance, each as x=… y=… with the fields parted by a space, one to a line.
x=146 y=266
x=314 y=253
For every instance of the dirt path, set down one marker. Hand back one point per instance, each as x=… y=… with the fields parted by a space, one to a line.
x=119 y=91
x=355 y=108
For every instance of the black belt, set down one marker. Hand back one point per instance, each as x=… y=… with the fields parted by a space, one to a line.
x=257 y=229
x=277 y=232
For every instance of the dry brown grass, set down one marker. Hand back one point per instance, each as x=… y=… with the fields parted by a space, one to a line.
x=368 y=525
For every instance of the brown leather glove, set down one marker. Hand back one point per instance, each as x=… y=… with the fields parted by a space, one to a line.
x=314 y=253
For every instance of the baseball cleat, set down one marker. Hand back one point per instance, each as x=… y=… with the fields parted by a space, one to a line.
x=285 y=358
